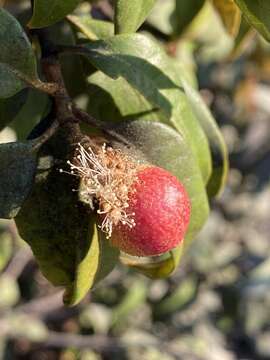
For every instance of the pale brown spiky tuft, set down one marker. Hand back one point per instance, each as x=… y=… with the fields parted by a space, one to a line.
x=107 y=175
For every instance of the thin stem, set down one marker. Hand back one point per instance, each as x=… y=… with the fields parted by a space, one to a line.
x=87 y=118
x=37 y=143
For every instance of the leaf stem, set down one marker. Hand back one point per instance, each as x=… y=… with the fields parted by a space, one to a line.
x=106 y=128
x=71 y=49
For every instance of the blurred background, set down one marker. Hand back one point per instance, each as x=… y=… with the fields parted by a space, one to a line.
x=216 y=306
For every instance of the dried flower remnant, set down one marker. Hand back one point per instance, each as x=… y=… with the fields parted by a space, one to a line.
x=107 y=175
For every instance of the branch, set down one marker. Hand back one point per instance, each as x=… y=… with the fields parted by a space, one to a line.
x=18 y=263
x=104 y=344
x=52 y=70
x=62 y=101
x=99 y=343
x=43 y=306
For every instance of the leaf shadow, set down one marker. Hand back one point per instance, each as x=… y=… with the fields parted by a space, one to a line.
x=103 y=106
x=147 y=78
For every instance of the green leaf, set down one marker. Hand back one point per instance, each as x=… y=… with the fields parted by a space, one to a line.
x=52 y=221
x=163 y=146
x=74 y=80
x=218 y=147
x=17 y=171
x=160 y=16
x=48 y=12
x=245 y=36
x=230 y=15
x=180 y=297
x=157 y=267
x=60 y=229
x=92 y=267
x=108 y=258
x=6 y=248
x=184 y=13
x=208 y=31
x=257 y=13
x=17 y=59
x=91 y=28
x=35 y=108
x=116 y=100
x=135 y=296
x=149 y=70
x=87 y=265
x=130 y=14
x=10 y=107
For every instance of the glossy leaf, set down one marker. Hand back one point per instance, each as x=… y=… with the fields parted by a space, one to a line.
x=93 y=29
x=257 y=13
x=161 y=145
x=48 y=12
x=17 y=171
x=60 y=229
x=148 y=69
x=230 y=15
x=17 y=59
x=10 y=107
x=129 y=15
x=216 y=141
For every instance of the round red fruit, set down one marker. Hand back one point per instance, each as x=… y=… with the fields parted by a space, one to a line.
x=160 y=207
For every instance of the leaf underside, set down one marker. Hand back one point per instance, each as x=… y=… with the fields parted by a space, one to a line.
x=17 y=59
x=17 y=171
